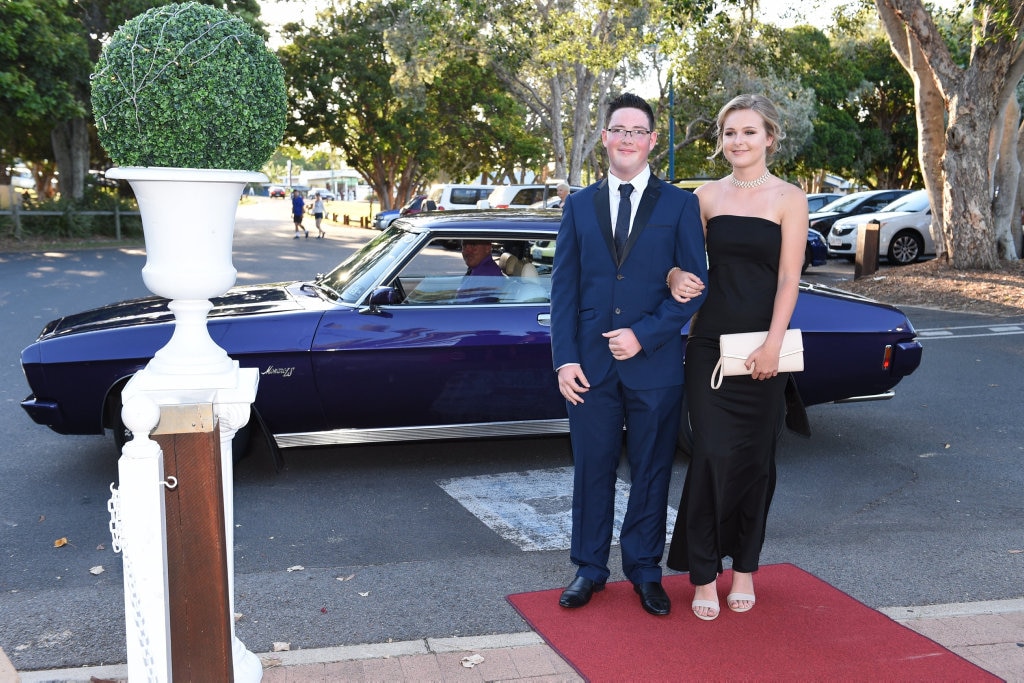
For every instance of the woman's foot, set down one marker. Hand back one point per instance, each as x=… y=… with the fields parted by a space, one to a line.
x=705 y=602
x=741 y=595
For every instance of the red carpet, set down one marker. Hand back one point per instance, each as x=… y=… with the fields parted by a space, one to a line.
x=800 y=629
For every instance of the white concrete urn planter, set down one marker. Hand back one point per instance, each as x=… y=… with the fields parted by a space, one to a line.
x=188 y=218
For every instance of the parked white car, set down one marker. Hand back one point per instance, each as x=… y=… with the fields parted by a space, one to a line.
x=523 y=196
x=903 y=236
x=21 y=177
x=452 y=197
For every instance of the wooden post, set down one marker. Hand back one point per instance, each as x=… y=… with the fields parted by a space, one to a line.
x=197 y=569
x=866 y=260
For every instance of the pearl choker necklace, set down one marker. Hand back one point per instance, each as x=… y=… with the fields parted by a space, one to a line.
x=747 y=184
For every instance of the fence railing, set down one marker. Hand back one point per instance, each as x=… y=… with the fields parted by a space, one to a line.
x=18 y=213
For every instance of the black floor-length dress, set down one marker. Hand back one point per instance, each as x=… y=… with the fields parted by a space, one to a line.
x=731 y=477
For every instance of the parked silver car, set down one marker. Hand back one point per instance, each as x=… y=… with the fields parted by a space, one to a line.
x=904 y=234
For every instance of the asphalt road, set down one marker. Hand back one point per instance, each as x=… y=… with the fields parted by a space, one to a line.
x=911 y=501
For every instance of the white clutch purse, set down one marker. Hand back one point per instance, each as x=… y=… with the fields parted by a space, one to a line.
x=735 y=348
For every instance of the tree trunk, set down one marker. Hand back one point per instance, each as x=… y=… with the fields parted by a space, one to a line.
x=1017 y=220
x=70 y=140
x=555 y=122
x=975 y=99
x=930 y=112
x=1007 y=178
x=967 y=223
x=581 y=124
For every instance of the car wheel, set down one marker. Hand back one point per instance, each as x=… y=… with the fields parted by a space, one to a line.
x=807 y=261
x=905 y=248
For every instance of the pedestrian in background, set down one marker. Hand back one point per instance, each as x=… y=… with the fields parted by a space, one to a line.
x=298 y=206
x=318 y=214
x=562 y=191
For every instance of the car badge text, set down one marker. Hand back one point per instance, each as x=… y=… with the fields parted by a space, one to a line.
x=284 y=372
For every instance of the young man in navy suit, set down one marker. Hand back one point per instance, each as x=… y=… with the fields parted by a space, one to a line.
x=618 y=350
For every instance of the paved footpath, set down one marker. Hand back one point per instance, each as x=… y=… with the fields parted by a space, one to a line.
x=990 y=634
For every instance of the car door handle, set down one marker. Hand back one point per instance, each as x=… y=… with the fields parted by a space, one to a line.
x=544 y=319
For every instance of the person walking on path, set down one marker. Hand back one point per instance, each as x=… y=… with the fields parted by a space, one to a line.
x=756 y=229
x=318 y=214
x=298 y=206
x=618 y=351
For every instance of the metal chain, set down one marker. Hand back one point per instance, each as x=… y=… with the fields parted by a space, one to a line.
x=117 y=544
x=114 y=508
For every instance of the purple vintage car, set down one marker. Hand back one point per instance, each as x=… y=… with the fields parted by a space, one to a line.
x=396 y=343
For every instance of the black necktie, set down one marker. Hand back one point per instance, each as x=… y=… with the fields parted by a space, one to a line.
x=622 y=220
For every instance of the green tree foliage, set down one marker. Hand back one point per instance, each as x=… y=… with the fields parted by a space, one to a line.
x=847 y=105
x=724 y=58
x=360 y=84
x=339 y=74
x=563 y=59
x=43 y=60
x=47 y=50
x=864 y=121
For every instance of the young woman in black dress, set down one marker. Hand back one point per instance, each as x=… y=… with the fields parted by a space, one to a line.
x=755 y=225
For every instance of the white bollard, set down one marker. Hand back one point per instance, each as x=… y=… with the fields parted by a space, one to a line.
x=231 y=395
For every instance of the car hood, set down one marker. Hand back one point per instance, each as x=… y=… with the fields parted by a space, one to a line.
x=269 y=298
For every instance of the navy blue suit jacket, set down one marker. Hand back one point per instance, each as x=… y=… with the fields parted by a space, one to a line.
x=593 y=292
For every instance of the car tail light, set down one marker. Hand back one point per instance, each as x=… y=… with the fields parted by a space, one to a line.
x=887 y=357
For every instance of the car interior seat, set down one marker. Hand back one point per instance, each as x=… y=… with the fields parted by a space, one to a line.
x=514 y=266
x=526 y=275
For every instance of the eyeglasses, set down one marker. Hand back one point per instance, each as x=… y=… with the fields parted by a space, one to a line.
x=628 y=133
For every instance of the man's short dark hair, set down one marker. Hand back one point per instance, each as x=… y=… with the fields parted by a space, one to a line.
x=631 y=101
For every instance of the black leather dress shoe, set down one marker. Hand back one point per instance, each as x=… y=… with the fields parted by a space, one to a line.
x=653 y=598
x=579 y=591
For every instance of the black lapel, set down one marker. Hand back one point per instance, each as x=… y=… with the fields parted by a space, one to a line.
x=602 y=207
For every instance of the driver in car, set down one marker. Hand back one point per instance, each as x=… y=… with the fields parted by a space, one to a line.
x=479 y=262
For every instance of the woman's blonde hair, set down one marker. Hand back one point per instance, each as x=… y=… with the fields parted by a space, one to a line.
x=768 y=113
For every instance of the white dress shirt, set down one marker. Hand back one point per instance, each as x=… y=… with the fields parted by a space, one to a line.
x=639 y=183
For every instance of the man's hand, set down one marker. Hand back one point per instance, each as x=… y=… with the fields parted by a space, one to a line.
x=622 y=343
x=572 y=382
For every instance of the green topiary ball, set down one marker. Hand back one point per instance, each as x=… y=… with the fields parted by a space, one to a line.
x=191 y=86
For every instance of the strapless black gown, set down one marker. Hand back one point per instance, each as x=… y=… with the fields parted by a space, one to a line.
x=731 y=477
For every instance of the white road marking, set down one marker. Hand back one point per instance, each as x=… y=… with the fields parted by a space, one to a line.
x=969 y=331
x=532 y=509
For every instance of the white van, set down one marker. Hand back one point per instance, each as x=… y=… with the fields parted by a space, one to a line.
x=453 y=197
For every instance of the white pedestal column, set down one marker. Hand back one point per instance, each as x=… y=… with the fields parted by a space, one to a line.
x=231 y=401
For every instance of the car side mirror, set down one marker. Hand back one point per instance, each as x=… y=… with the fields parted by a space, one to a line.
x=381 y=296
x=384 y=296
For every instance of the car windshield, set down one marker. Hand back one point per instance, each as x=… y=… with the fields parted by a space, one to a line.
x=843 y=204
x=915 y=202
x=356 y=274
